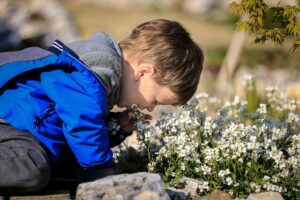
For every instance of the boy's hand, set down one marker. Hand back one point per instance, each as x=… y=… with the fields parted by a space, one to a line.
x=125 y=125
x=127 y=120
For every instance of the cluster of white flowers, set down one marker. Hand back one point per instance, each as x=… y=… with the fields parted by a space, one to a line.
x=231 y=148
x=262 y=110
x=280 y=104
x=272 y=187
x=203 y=186
x=205 y=169
x=223 y=173
x=113 y=126
x=255 y=187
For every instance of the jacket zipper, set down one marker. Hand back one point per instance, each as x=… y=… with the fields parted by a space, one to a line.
x=47 y=112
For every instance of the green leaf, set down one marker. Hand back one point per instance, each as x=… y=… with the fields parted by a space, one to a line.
x=296 y=45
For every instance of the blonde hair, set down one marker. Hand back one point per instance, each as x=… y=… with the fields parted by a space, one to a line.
x=168 y=46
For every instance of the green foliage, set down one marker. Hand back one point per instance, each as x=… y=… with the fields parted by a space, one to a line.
x=273 y=23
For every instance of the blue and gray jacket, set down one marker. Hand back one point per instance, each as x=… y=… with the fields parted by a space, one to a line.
x=62 y=95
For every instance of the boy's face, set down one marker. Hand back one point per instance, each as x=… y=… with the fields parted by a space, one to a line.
x=150 y=94
x=144 y=91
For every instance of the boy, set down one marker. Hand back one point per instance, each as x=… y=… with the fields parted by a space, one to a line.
x=60 y=99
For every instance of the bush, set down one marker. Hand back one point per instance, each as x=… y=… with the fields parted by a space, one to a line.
x=228 y=147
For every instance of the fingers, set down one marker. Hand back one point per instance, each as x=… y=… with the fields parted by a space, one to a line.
x=148 y=117
x=141 y=117
x=144 y=117
x=130 y=114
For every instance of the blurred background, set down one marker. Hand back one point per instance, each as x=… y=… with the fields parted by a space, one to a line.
x=26 y=23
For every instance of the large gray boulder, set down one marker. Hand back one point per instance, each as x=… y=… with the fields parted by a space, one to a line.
x=135 y=186
x=36 y=22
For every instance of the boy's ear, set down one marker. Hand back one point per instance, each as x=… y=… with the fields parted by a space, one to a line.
x=142 y=70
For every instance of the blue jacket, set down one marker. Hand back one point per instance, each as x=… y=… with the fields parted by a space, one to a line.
x=58 y=99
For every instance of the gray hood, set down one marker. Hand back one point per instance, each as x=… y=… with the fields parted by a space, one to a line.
x=102 y=54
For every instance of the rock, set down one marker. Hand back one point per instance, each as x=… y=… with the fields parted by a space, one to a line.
x=176 y=194
x=190 y=186
x=125 y=187
x=219 y=195
x=265 y=196
x=147 y=195
x=33 y=22
x=190 y=190
x=8 y=37
x=65 y=196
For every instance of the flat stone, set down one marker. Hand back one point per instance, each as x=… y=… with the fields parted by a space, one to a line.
x=52 y=195
x=124 y=186
x=265 y=196
x=190 y=186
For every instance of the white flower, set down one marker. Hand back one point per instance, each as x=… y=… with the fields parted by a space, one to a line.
x=275 y=179
x=236 y=185
x=113 y=126
x=151 y=166
x=262 y=110
x=255 y=186
x=223 y=173
x=140 y=126
x=292 y=118
x=229 y=181
x=205 y=169
x=203 y=186
x=182 y=166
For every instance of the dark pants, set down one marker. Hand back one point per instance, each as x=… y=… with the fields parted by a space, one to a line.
x=24 y=165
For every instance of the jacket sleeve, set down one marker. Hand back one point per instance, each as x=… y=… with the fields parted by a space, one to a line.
x=83 y=116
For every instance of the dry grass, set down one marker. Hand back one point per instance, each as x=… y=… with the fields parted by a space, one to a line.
x=91 y=17
x=119 y=22
x=211 y=35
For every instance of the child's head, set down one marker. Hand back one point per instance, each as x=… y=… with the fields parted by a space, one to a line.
x=168 y=47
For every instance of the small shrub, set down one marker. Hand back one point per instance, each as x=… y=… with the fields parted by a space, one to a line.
x=228 y=146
